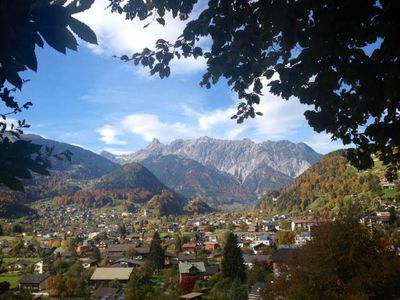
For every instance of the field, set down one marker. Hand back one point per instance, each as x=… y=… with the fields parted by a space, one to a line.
x=11 y=278
x=9 y=260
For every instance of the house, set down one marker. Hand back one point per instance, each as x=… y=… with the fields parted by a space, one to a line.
x=87 y=262
x=250 y=259
x=302 y=238
x=19 y=265
x=189 y=273
x=210 y=246
x=117 y=251
x=271 y=226
x=281 y=258
x=111 y=274
x=259 y=247
x=106 y=293
x=307 y=223
x=210 y=271
x=255 y=292
x=127 y=263
x=185 y=257
x=34 y=282
x=189 y=247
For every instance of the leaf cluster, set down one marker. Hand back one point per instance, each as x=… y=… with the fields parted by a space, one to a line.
x=316 y=51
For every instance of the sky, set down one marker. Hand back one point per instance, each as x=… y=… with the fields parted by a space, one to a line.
x=91 y=99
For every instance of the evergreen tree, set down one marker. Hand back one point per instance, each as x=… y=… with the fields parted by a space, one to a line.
x=96 y=253
x=232 y=263
x=237 y=292
x=156 y=254
x=178 y=244
x=122 y=229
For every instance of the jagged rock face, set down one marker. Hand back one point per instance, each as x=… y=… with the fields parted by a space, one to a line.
x=238 y=158
x=191 y=178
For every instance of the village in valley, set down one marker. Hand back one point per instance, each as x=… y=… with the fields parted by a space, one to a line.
x=87 y=253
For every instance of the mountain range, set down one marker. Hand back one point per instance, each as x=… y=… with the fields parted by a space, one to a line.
x=223 y=171
x=185 y=174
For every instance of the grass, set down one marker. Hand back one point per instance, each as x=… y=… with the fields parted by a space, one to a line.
x=10 y=260
x=10 y=278
x=390 y=193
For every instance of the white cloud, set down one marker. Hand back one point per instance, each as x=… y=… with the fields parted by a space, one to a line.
x=280 y=120
x=109 y=135
x=117 y=36
x=149 y=126
x=322 y=143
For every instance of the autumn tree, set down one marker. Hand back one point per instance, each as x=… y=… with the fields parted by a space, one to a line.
x=232 y=263
x=343 y=261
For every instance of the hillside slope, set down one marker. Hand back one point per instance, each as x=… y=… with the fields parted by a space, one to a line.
x=324 y=188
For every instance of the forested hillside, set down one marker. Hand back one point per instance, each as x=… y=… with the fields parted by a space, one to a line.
x=325 y=187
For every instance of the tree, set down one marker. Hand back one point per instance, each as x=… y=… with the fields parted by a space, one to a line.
x=122 y=229
x=139 y=285
x=237 y=292
x=343 y=261
x=96 y=254
x=24 y=25
x=156 y=255
x=338 y=57
x=232 y=262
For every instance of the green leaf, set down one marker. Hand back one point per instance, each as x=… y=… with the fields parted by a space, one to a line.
x=83 y=31
x=70 y=40
x=74 y=8
x=161 y=21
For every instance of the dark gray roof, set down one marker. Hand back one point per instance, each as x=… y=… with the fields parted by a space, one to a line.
x=105 y=292
x=34 y=278
x=283 y=254
x=249 y=258
x=211 y=270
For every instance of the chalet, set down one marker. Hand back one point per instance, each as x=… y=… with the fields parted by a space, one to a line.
x=34 y=282
x=189 y=273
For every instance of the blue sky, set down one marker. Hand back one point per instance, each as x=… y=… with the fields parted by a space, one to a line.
x=93 y=100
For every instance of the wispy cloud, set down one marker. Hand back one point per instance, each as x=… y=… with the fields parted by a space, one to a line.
x=109 y=135
x=323 y=143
